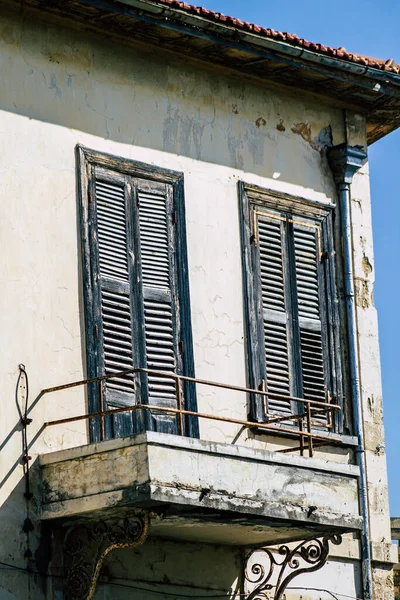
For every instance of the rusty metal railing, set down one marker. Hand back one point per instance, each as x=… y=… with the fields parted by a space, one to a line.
x=300 y=424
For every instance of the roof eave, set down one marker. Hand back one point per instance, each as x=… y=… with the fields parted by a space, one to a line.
x=377 y=81
x=343 y=84
x=377 y=75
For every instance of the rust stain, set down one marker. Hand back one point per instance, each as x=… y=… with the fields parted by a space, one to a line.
x=280 y=126
x=261 y=122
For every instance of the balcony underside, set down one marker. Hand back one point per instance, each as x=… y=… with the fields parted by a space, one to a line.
x=203 y=491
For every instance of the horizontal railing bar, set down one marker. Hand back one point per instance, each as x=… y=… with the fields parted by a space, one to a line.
x=286 y=418
x=249 y=424
x=125 y=409
x=189 y=379
x=295 y=417
x=316 y=445
x=67 y=386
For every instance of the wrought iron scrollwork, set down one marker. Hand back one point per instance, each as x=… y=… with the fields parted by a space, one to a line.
x=87 y=544
x=271 y=571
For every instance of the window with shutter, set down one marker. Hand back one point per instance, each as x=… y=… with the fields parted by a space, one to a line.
x=289 y=290
x=136 y=292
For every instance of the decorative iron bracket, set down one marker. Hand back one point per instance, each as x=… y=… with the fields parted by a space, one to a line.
x=87 y=544
x=271 y=576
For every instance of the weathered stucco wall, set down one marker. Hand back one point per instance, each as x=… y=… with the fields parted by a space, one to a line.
x=59 y=88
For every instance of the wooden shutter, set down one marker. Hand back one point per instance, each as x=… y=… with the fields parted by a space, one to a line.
x=136 y=290
x=272 y=269
x=158 y=278
x=290 y=301
x=291 y=289
x=112 y=247
x=309 y=288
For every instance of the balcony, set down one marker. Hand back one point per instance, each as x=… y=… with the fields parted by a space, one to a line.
x=115 y=493
x=205 y=491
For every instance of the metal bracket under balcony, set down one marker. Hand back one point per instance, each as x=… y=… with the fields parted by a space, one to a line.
x=81 y=546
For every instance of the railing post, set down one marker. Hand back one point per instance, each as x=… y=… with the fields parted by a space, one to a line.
x=301 y=428
x=179 y=402
x=102 y=408
x=309 y=429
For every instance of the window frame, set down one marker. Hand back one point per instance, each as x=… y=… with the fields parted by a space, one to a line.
x=251 y=196
x=86 y=161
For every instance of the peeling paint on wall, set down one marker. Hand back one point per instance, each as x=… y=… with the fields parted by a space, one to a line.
x=319 y=143
x=364 y=297
x=366 y=265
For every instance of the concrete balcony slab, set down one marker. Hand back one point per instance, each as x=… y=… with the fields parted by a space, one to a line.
x=206 y=492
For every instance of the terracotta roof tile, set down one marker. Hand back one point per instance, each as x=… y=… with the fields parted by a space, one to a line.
x=290 y=38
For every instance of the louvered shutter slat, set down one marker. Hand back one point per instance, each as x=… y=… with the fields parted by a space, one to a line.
x=116 y=312
x=308 y=285
x=157 y=272
x=270 y=242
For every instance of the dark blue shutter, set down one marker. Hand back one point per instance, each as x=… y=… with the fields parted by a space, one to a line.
x=309 y=289
x=272 y=256
x=112 y=246
x=291 y=302
x=160 y=302
x=136 y=292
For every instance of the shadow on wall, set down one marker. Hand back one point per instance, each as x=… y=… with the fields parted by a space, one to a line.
x=163 y=569
x=158 y=569
x=82 y=82
x=23 y=556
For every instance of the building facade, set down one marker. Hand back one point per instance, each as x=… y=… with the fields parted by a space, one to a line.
x=188 y=259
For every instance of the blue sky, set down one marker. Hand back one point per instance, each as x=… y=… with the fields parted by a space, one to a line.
x=365 y=27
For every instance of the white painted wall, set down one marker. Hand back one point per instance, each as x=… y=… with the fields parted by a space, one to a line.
x=59 y=88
